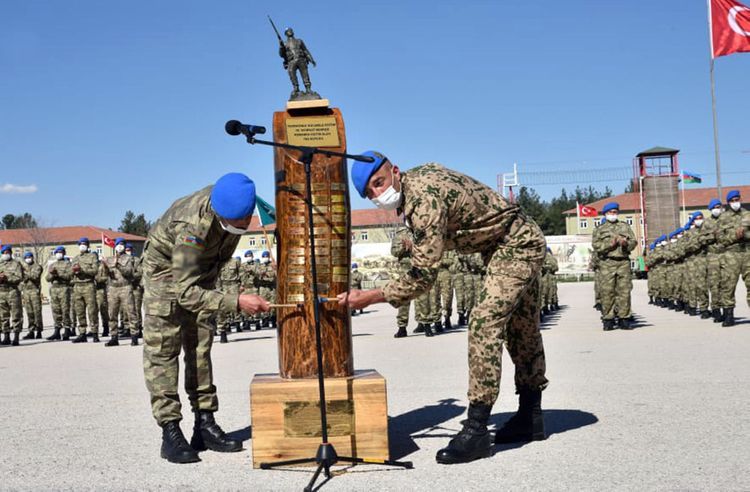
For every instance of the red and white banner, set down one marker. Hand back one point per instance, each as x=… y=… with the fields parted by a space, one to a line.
x=585 y=211
x=729 y=22
x=108 y=241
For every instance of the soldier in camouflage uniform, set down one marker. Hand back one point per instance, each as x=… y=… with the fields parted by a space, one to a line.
x=549 y=297
x=247 y=286
x=85 y=267
x=181 y=261
x=459 y=285
x=447 y=210
x=228 y=283
x=594 y=267
x=265 y=281
x=356 y=283
x=445 y=286
x=734 y=236
x=715 y=250
x=120 y=270
x=401 y=249
x=31 y=290
x=100 y=280
x=613 y=242
x=137 y=287
x=59 y=274
x=702 y=236
x=11 y=310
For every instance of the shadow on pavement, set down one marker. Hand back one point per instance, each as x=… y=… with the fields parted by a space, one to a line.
x=241 y=434
x=555 y=422
x=552 y=318
x=244 y=339
x=402 y=429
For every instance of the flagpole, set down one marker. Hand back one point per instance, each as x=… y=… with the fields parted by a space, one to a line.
x=713 y=101
x=578 y=215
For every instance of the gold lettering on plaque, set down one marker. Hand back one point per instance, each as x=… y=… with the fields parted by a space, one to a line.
x=297 y=251
x=338 y=218
x=340 y=270
x=319 y=131
x=338 y=229
x=341 y=278
x=295 y=298
x=302 y=418
x=321 y=250
x=338 y=186
x=338 y=198
x=320 y=186
x=320 y=199
x=296 y=289
x=297 y=260
x=295 y=279
x=340 y=243
x=320 y=231
x=297 y=269
x=338 y=208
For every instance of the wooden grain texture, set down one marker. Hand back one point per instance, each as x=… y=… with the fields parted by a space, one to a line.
x=270 y=395
x=332 y=230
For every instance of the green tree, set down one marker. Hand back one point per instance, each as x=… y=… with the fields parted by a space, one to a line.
x=25 y=221
x=135 y=224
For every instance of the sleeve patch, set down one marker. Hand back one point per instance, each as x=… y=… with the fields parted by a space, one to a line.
x=194 y=242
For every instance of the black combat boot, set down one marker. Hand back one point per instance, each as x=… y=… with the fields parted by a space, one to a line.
x=273 y=321
x=728 y=317
x=105 y=330
x=705 y=314
x=528 y=422
x=174 y=446
x=80 y=338
x=401 y=333
x=437 y=326
x=208 y=435
x=6 y=339
x=598 y=306
x=447 y=323
x=650 y=299
x=140 y=332
x=29 y=336
x=239 y=327
x=361 y=311
x=133 y=340
x=428 y=330
x=95 y=338
x=716 y=313
x=556 y=306
x=419 y=328
x=114 y=341
x=223 y=337
x=66 y=335
x=39 y=333
x=472 y=442
x=15 y=341
x=608 y=324
x=55 y=335
x=461 y=319
x=545 y=311
x=626 y=323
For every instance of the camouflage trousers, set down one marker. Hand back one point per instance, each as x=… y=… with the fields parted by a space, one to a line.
x=714 y=279
x=84 y=300
x=222 y=320
x=736 y=264
x=402 y=317
x=697 y=282
x=616 y=285
x=121 y=300
x=426 y=306
x=507 y=312
x=549 y=289
x=445 y=291
x=32 y=304
x=597 y=286
x=59 y=296
x=11 y=312
x=103 y=302
x=269 y=295
x=138 y=300
x=459 y=286
x=168 y=330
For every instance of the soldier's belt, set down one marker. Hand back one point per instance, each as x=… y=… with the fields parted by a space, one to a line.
x=60 y=282
x=7 y=287
x=120 y=284
x=83 y=282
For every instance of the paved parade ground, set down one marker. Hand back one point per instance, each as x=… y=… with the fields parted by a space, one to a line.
x=664 y=406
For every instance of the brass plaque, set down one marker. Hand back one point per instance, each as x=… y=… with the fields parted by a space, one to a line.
x=322 y=288
x=297 y=230
x=339 y=252
x=297 y=260
x=296 y=289
x=321 y=250
x=318 y=131
x=296 y=219
x=297 y=269
x=320 y=231
x=340 y=243
x=338 y=229
x=295 y=279
x=338 y=208
x=319 y=218
x=338 y=198
x=302 y=418
x=296 y=251
x=340 y=270
x=296 y=241
x=322 y=260
x=295 y=298
x=339 y=260
x=341 y=278
x=298 y=186
x=324 y=279
x=320 y=186
x=338 y=186
x=338 y=219
x=320 y=199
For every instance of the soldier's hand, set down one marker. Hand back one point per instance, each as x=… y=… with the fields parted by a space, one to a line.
x=2 y=278
x=360 y=299
x=53 y=271
x=76 y=268
x=623 y=241
x=252 y=304
x=407 y=244
x=740 y=233
x=614 y=241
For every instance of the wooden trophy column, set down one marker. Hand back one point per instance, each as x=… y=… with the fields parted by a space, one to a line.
x=285 y=407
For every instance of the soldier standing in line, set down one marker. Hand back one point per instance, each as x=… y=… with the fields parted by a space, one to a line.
x=85 y=267
x=445 y=286
x=121 y=272
x=11 y=311
x=715 y=250
x=180 y=263
x=445 y=209
x=613 y=242
x=266 y=283
x=459 y=286
x=101 y=279
x=247 y=286
x=59 y=274
x=356 y=283
x=137 y=287
x=228 y=283
x=401 y=249
x=31 y=290
x=549 y=268
x=734 y=236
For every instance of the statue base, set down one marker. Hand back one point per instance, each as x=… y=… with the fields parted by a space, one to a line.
x=307 y=104
x=285 y=416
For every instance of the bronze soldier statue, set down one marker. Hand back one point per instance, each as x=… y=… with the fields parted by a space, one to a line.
x=296 y=56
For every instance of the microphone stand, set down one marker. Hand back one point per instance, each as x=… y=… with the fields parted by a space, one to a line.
x=326 y=455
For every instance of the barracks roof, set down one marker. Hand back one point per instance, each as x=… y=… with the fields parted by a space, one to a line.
x=61 y=235
x=360 y=218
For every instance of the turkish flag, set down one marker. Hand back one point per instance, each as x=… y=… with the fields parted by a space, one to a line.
x=585 y=211
x=108 y=241
x=730 y=27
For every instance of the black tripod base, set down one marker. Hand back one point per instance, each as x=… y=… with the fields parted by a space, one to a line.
x=326 y=457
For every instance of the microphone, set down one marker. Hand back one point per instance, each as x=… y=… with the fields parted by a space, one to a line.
x=234 y=127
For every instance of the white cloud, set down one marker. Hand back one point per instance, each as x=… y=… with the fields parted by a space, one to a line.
x=11 y=188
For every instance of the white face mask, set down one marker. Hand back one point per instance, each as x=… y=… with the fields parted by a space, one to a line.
x=716 y=212
x=390 y=199
x=249 y=259
x=129 y=252
x=611 y=217
x=231 y=229
x=29 y=261
x=735 y=206
x=6 y=257
x=120 y=248
x=83 y=248
x=673 y=240
x=265 y=260
x=59 y=256
x=679 y=236
x=698 y=222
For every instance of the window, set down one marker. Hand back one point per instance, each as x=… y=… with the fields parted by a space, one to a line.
x=597 y=222
x=629 y=220
x=99 y=251
x=643 y=243
x=252 y=241
x=633 y=264
x=583 y=224
x=640 y=220
x=262 y=241
x=391 y=234
x=363 y=235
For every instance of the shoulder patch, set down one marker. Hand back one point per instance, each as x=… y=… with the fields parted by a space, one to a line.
x=194 y=242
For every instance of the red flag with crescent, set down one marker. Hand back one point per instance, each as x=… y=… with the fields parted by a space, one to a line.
x=108 y=241
x=729 y=22
x=585 y=211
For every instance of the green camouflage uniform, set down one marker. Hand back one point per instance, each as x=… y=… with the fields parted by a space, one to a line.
x=356 y=279
x=31 y=290
x=84 y=291
x=447 y=210
x=549 y=268
x=247 y=283
x=614 y=265
x=713 y=260
x=138 y=290
x=594 y=267
x=736 y=254
x=403 y=255
x=229 y=283
x=11 y=310
x=100 y=280
x=120 y=270
x=180 y=264
x=58 y=276
x=265 y=281
x=445 y=282
x=459 y=283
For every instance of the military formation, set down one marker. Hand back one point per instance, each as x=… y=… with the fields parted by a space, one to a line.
x=695 y=268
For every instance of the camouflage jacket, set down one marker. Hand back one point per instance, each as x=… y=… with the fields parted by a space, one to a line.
x=266 y=276
x=121 y=269
x=13 y=272
x=711 y=226
x=229 y=274
x=32 y=276
x=729 y=222
x=356 y=279
x=248 y=272
x=550 y=265
x=447 y=210
x=89 y=265
x=59 y=272
x=604 y=235
x=182 y=255
x=137 y=272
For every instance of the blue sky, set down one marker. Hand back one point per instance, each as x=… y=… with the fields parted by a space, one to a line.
x=109 y=106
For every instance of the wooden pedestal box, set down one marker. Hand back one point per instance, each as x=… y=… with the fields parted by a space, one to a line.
x=285 y=416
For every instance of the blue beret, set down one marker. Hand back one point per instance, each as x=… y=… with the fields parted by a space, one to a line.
x=119 y=240
x=652 y=246
x=5 y=248
x=680 y=230
x=28 y=254
x=237 y=258
x=603 y=220
x=696 y=214
x=266 y=254
x=354 y=265
x=363 y=171
x=83 y=240
x=714 y=203
x=733 y=194
x=128 y=246
x=59 y=249
x=663 y=237
x=248 y=253
x=233 y=196
x=610 y=206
